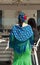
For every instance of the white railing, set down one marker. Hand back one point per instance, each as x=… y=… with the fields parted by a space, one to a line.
x=5 y=55
x=35 y=52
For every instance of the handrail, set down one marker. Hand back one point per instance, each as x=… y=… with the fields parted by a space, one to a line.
x=35 y=51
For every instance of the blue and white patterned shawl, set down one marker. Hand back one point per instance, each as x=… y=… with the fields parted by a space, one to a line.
x=22 y=33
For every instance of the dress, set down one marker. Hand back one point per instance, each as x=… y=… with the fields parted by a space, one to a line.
x=21 y=40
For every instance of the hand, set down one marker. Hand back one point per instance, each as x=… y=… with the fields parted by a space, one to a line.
x=7 y=48
x=35 y=47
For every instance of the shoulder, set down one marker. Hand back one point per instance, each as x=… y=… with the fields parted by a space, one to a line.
x=13 y=27
x=27 y=26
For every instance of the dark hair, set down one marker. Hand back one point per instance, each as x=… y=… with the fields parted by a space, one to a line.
x=32 y=22
x=20 y=22
x=21 y=18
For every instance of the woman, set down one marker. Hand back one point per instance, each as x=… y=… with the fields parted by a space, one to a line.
x=32 y=23
x=20 y=41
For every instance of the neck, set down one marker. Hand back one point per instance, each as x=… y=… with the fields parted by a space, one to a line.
x=24 y=24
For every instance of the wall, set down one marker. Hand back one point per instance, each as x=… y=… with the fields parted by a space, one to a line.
x=32 y=1
x=10 y=16
x=11 y=1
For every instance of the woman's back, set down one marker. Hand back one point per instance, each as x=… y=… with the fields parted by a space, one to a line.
x=20 y=41
x=21 y=36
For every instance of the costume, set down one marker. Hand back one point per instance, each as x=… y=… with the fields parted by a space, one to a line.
x=21 y=40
